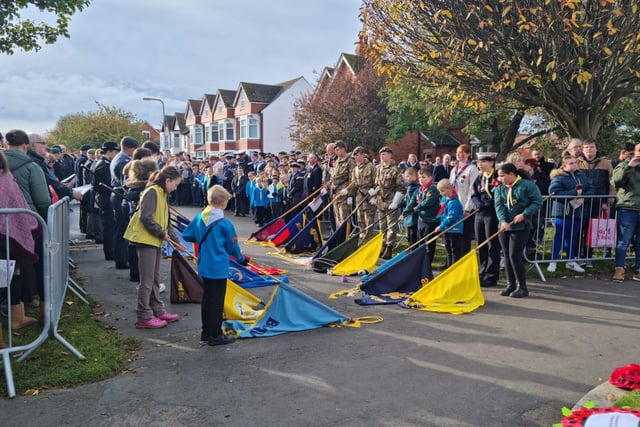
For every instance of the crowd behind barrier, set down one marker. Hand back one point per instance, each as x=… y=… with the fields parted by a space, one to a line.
x=55 y=240
x=576 y=236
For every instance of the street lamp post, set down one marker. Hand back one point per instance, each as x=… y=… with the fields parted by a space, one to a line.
x=146 y=98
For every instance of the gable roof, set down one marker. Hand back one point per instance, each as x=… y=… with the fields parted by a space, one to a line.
x=258 y=93
x=180 y=122
x=226 y=96
x=170 y=122
x=207 y=101
x=355 y=62
x=195 y=105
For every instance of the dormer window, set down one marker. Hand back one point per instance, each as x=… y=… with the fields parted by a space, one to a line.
x=243 y=99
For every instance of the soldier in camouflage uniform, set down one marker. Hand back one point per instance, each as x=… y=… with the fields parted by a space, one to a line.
x=363 y=179
x=390 y=189
x=339 y=183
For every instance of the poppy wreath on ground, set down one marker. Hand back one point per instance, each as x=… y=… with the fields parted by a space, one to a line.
x=578 y=417
x=627 y=377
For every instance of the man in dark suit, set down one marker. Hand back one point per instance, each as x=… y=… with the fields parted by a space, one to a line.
x=313 y=178
x=443 y=170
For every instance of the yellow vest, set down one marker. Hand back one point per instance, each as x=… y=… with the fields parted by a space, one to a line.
x=137 y=233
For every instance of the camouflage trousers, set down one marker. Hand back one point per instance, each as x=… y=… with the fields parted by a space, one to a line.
x=388 y=226
x=341 y=210
x=366 y=215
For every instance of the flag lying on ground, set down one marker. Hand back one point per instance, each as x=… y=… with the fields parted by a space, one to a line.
x=247 y=278
x=288 y=310
x=339 y=236
x=383 y=267
x=397 y=281
x=309 y=239
x=269 y=229
x=324 y=263
x=289 y=230
x=364 y=258
x=456 y=290
x=240 y=304
x=186 y=286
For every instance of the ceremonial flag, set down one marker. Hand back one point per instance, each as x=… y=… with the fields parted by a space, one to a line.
x=335 y=255
x=383 y=267
x=240 y=304
x=288 y=310
x=289 y=230
x=309 y=239
x=246 y=278
x=186 y=286
x=399 y=280
x=364 y=258
x=456 y=290
x=339 y=236
x=269 y=229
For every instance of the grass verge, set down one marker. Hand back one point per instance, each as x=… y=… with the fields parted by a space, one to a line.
x=107 y=352
x=629 y=400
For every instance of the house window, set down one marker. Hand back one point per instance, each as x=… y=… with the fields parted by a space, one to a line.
x=242 y=100
x=214 y=132
x=206 y=112
x=243 y=128
x=176 y=139
x=146 y=133
x=220 y=108
x=253 y=128
x=196 y=131
x=230 y=134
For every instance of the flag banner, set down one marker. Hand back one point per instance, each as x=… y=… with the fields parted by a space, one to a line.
x=339 y=236
x=167 y=250
x=186 y=286
x=246 y=278
x=456 y=290
x=397 y=281
x=383 y=267
x=288 y=310
x=335 y=255
x=240 y=304
x=292 y=228
x=364 y=258
x=315 y=204
x=309 y=239
x=180 y=221
x=269 y=229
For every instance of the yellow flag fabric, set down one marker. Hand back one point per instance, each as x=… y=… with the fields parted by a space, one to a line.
x=364 y=258
x=456 y=290
x=239 y=304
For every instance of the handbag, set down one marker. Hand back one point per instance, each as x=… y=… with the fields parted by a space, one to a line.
x=602 y=232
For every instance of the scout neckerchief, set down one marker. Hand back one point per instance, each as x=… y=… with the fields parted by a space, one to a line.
x=510 y=201
x=486 y=179
x=457 y=172
x=423 y=188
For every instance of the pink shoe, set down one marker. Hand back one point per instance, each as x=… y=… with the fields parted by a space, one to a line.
x=154 y=323
x=169 y=317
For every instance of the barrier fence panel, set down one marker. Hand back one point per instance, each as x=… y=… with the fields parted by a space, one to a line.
x=572 y=229
x=55 y=256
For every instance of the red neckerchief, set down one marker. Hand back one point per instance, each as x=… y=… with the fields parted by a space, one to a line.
x=457 y=172
x=423 y=188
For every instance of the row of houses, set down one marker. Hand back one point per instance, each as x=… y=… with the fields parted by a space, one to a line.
x=252 y=117
x=258 y=116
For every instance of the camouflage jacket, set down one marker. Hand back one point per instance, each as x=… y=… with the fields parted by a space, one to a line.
x=341 y=174
x=389 y=179
x=363 y=178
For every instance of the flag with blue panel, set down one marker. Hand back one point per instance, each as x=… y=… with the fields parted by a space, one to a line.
x=309 y=239
x=292 y=228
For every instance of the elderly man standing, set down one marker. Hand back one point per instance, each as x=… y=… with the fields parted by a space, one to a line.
x=390 y=189
x=339 y=183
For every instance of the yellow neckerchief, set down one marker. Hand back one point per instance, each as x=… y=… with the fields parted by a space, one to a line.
x=486 y=180
x=510 y=201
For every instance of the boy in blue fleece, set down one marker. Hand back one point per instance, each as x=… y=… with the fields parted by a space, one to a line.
x=217 y=239
x=451 y=211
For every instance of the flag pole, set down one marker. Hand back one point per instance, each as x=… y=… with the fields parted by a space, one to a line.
x=299 y=203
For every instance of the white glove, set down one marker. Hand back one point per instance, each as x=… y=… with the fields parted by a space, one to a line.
x=372 y=201
x=373 y=191
x=344 y=192
x=323 y=192
x=349 y=200
x=397 y=198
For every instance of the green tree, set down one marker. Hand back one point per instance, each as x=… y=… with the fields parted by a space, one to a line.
x=27 y=34
x=96 y=127
x=349 y=108
x=576 y=59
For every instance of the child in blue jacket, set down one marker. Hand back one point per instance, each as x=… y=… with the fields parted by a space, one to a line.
x=260 y=201
x=451 y=211
x=217 y=239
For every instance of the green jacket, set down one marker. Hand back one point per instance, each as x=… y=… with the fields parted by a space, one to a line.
x=527 y=201
x=31 y=181
x=626 y=180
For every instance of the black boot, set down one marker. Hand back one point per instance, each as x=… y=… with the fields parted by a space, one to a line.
x=384 y=248
x=521 y=292
x=388 y=253
x=508 y=290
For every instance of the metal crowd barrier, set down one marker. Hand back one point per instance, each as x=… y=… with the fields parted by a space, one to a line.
x=55 y=239
x=593 y=219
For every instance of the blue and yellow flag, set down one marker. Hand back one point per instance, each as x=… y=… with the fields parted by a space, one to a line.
x=288 y=310
x=240 y=304
x=365 y=258
x=408 y=273
x=456 y=290
x=292 y=228
x=309 y=239
x=248 y=279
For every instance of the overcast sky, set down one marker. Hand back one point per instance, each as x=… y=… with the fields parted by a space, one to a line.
x=120 y=51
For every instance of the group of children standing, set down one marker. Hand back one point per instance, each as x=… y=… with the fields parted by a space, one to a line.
x=258 y=194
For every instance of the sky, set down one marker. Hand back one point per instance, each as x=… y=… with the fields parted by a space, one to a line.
x=120 y=51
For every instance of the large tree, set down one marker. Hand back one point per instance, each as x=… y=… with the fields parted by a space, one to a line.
x=95 y=127
x=28 y=34
x=349 y=108
x=576 y=59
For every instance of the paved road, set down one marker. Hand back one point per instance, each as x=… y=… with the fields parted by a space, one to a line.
x=510 y=363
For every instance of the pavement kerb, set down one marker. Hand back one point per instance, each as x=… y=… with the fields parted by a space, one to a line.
x=603 y=396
